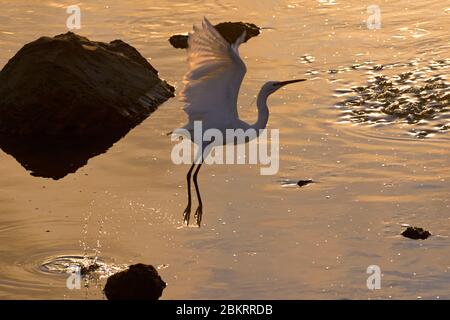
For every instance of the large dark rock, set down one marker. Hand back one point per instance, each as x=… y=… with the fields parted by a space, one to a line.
x=229 y=30
x=66 y=99
x=138 y=282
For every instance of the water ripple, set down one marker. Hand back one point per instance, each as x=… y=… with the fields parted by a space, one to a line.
x=420 y=96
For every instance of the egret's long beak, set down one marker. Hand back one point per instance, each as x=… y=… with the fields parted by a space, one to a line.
x=283 y=83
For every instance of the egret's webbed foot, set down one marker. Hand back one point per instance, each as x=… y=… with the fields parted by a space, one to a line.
x=198 y=215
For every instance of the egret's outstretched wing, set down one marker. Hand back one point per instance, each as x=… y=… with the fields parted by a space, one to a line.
x=214 y=77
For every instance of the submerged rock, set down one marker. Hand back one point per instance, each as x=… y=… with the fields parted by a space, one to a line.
x=229 y=30
x=138 y=282
x=416 y=233
x=179 y=41
x=302 y=183
x=86 y=270
x=65 y=99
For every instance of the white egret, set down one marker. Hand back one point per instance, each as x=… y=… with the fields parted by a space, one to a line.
x=211 y=92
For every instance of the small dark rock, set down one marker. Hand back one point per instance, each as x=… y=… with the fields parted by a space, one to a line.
x=179 y=41
x=229 y=30
x=416 y=233
x=85 y=270
x=138 y=282
x=302 y=183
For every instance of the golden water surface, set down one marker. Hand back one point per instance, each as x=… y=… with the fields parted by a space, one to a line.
x=259 y=239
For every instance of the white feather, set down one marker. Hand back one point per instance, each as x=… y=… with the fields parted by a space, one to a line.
x=214 y=77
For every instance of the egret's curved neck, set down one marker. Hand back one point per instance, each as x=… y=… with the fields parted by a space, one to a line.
x=263 y=111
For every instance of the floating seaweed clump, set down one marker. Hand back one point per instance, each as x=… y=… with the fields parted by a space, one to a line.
x=420 y=97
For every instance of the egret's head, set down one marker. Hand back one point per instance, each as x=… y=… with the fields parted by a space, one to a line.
x=272 y=86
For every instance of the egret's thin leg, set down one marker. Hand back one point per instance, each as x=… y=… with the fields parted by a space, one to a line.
x=199 y=211
x=187 y=211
